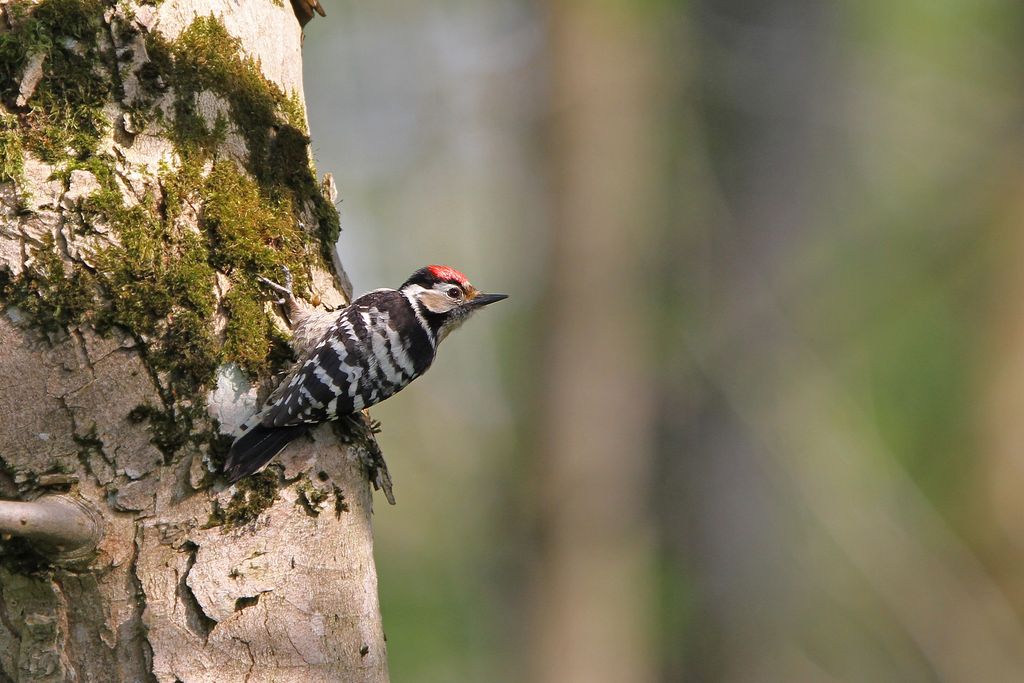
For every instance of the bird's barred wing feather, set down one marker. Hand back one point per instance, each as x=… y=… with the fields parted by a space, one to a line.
x=362 y=359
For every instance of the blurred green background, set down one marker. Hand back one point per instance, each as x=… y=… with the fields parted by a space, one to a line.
x=755 y=408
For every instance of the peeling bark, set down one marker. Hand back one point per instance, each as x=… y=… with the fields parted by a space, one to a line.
x=191 y=581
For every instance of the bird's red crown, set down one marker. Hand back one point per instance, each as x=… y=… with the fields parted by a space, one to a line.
x=448 y=274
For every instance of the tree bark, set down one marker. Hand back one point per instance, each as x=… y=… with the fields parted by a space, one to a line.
x=153 y=164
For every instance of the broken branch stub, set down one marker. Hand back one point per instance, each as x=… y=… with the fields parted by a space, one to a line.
x=61 y=527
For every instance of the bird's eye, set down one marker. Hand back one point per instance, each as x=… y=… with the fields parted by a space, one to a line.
x=454 y=292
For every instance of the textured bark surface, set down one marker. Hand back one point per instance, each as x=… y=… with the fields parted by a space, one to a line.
x=273 y=581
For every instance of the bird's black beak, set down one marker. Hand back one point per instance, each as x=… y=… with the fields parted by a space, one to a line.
x=481 y=300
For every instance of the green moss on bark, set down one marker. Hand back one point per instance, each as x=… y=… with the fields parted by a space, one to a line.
x=249 y=232
x=64 y=117
x=51 y=293
x=207 y=222
x=248 y=333
x=12 y=158
x=253 y=495
x=206 y=58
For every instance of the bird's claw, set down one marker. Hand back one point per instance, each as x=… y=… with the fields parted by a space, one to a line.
x=285 y=289
x=364 y=430
x=381 y=478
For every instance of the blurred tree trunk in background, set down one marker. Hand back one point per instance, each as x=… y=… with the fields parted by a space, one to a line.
x=1000 y=493
x=592 y=615
x=763 y=71
x=153 y=162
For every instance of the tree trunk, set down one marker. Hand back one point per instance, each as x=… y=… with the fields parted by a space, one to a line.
x=592 y=617
x=153 y=164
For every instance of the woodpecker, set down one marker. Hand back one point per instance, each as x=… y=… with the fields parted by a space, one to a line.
x=355 y=358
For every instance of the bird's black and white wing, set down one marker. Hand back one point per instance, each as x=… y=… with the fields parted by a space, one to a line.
x=366 y=356
x=375 y=348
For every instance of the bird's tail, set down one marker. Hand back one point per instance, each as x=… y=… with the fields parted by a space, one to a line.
x=256 y=447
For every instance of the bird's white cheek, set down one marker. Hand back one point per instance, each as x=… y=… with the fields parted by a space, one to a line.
x=436 y=302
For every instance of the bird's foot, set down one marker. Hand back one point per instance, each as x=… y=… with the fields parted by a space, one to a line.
x=362 y=430
x=285 y=289
x=377 y=470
